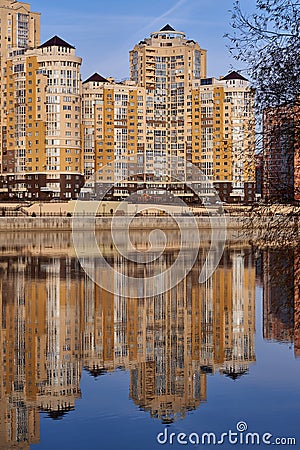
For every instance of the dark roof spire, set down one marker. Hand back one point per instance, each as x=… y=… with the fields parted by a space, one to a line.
x=167 y=28
x=96 y=77
x=56 y=41
x=234 y=76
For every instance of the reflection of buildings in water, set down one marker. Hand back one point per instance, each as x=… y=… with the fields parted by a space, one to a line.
x=166 y=379
x=36 y=244
x=297 y=302
x=170 y=342
x=19 y=418
x=19 y=425
x=148 y=337
x=55 y=320
x=281 y=318
x=40 y=348
x=228 y=316
x=59 y=385
x=193 y=330
x=239 y=315
x=259 y=269
x=97 y=330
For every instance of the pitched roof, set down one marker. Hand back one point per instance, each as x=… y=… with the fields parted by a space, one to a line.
x=167 y=28
x=234 y=76
x=56 y=41
x=96 y=77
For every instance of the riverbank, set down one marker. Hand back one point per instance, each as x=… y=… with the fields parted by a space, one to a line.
x=53 y=223
x=269 y=223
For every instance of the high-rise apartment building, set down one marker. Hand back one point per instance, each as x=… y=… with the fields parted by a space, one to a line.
x=166 y=65
x=223 y=135
x=205 y=121
x=178 y=114
x=281 y=165
x=113 y=119
x=143 y=134
x=41 y=145
x=19 y=28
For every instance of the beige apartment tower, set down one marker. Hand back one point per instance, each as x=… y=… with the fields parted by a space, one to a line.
x=114 y=128
x=19 y=28
x=206 y=121
x=166 y=65
x=168 y=118
x=223 y=141
x=145 y=135
x=41 y=151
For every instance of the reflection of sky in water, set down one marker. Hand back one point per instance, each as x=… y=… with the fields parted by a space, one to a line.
x=190 y=349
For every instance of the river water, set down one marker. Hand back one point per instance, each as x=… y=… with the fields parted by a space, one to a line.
x=81 y=367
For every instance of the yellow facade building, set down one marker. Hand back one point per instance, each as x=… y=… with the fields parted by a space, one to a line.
x=206 y=121
x=55 y=321
x=224 y=135
x=20 y=29
x=142 y=134
x=166 y=64
x=113 y=131
x=42 y=156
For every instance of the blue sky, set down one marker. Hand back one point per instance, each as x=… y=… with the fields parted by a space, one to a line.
x=103 y=32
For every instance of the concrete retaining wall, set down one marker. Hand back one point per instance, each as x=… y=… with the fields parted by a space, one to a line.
x=104 y=223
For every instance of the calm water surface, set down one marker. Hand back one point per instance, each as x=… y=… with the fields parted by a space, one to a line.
x=83 y=368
